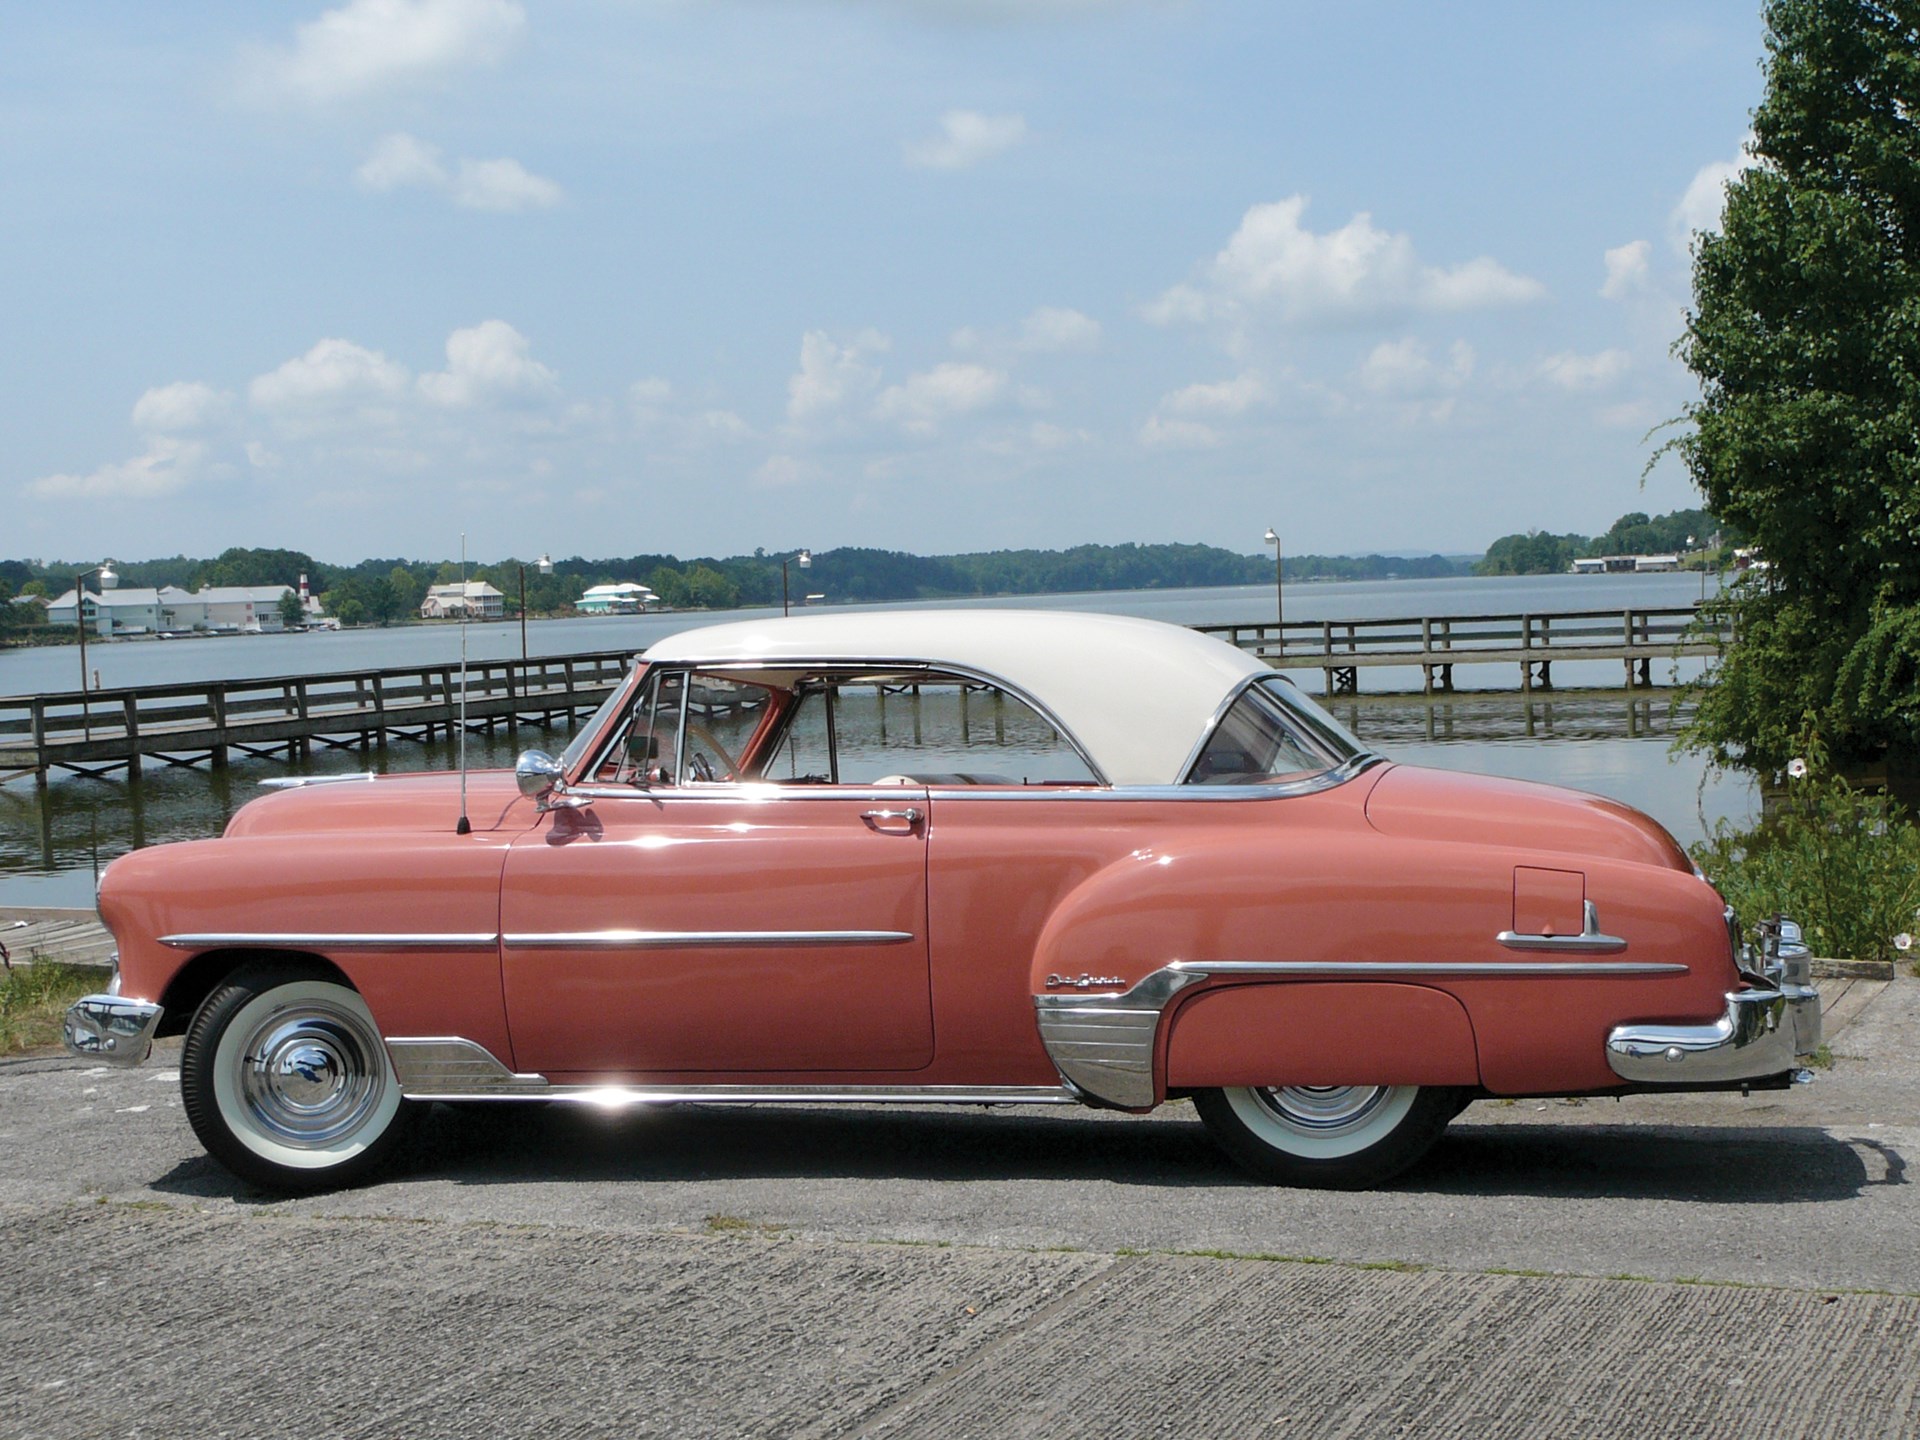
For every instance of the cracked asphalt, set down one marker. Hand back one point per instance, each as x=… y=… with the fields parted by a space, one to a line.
x=1679 y=1266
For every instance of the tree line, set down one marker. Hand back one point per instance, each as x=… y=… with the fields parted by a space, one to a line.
x=1697 y=537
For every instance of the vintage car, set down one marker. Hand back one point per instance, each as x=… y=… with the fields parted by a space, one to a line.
x=963 y=857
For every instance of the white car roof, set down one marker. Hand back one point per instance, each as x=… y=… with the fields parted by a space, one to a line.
x=1136 y=694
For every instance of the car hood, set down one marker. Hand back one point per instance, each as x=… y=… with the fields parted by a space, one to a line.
x=428 y=803
x=1414 y=803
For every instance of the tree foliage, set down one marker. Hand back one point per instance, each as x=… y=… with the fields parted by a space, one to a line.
x=1805 y=336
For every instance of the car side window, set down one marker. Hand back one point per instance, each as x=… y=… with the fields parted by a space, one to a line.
x=1260 y=740
x=931 y=730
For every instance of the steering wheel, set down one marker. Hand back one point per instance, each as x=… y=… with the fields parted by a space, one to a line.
x=699 y=766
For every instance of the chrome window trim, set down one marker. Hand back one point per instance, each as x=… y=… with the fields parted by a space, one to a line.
x=735 y=792
x=706 y=939
x=315 y=940
x=1196 y=794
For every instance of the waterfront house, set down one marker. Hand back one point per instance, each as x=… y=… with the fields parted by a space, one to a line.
x=476 y=600
x=623 y=598
x=136 y=611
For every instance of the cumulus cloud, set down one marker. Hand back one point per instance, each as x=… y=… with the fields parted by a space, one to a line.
x=1160 y=433
x=1701 y=207
x=659 y=411
x=1585 y=372
x=1627 y=270
x=778 y=472
x=831 y=374
x=1223 y=397
x=168 y=466
x=1403 y=367
x=488 y=362
x=335 y=374
x=966 y=138
x=948 y=390
x=367 y=46
x=184 y=405
x=1273 y=268
x=1054 y=328
x=400 y=161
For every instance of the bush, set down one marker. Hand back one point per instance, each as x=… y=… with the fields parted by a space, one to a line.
x=1843 y=862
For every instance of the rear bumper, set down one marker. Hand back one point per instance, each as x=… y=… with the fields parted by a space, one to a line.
x=111 y=1028
x=1764 y=1033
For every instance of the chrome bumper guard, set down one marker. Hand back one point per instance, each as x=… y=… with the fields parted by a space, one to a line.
x=1765 y=1032
x=111 y=1028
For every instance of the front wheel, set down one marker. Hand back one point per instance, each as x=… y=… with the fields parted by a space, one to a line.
x=286 y=1081
x=1334 y=1136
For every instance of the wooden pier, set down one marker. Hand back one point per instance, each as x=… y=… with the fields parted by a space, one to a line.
x=1341 y=649
x=203 y=723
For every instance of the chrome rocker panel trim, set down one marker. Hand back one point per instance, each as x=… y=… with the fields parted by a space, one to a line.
x=1103 y=1044
x=690 y=939
x=315 y=940
x=1763 y=1033
x=110 y=1028
x=451 y=1068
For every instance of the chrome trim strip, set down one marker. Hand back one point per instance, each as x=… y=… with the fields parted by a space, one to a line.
x=1477 y=969
x=1103 y=1044
x=318 y=941
x=453 y=1068
x=1589 y=941
x=670 y=939
x=300 y=782
x=1193 y=794
x=110 y=1028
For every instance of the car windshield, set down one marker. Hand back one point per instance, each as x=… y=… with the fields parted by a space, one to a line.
x=1272 y=733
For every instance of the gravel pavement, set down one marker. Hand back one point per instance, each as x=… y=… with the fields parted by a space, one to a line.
x=1681 y=1266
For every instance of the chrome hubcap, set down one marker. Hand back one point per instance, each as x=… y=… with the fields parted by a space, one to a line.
x=313 y=1075
x=1320 y=1109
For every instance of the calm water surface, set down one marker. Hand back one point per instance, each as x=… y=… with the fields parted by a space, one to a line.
x=50 y=847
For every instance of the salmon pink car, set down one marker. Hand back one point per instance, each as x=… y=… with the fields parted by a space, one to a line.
x=940 y=857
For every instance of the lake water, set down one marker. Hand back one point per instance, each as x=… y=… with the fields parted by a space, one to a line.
x=1608 y=743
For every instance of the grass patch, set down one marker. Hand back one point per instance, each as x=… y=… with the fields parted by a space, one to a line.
x=34 y=998
x=736 y=1225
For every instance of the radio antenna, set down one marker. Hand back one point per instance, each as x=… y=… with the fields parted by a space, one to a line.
x=465 y=827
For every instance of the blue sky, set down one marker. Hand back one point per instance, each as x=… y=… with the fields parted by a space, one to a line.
x=696 y=276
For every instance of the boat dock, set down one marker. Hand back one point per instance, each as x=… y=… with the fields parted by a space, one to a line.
x=1341 y=649
x=203 y=723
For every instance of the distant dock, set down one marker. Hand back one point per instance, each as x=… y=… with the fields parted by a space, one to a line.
x=1341 y=649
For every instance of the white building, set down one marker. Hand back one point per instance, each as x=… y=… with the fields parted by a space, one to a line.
x=476 y=600
x=134 y=611
x=623 y=598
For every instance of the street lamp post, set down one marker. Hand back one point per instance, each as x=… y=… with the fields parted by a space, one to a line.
x=545 y=566
x=804 y=560
x=1279 y=592
x=107 y=581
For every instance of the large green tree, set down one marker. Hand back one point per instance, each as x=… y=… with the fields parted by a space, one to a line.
x=1805 y=336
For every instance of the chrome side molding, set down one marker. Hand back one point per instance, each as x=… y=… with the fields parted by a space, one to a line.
x=448 y=1067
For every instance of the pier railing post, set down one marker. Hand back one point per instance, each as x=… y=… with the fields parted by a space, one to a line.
x=130 y=709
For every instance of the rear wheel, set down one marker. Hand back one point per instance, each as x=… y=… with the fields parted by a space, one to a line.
x=286 y=1081
x=1336 y=1136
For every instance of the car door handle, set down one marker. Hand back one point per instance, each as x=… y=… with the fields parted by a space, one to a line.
x=879 y=819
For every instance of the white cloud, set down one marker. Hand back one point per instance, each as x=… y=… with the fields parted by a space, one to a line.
x=1223 y=397
x=658 y=410
x=1706 y=198
x=966 y=138
x=184 y=405
x=1585 y=372
x=947 y=390
x=168 y=466
x=372 y=45
x=488 y=362
x=502 y=185
x=831 y=374
x=1054 y=328
x=1274 y=268
x=1161 y=433
x=401 y=161
x=333 y=375
x=1402 y=367
x=778 y=472
x=1627 y=270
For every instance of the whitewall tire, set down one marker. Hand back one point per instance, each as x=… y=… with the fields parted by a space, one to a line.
x=1341 y=1136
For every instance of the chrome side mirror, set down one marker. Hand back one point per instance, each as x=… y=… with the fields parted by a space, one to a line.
x=539 y=776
